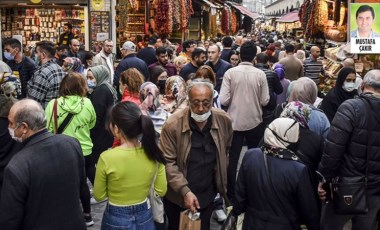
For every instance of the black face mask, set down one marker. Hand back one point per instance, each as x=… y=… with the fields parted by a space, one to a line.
x=161 y=86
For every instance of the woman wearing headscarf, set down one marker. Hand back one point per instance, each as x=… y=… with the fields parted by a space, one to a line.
x=280 y=70
x=344 y=89
x=285 y=198
x=305 y=90
x=103 y=97
x=310 y=146
x=72 y=64
x=175 y=94
x=150 y=105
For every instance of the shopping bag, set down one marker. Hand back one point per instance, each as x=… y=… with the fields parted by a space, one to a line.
x=189 y=221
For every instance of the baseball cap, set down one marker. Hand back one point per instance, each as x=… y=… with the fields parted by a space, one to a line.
x=128 y=45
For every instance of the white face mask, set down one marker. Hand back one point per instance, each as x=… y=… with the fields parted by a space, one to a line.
x=200 y=118
x=348 y=86
x=12 y=133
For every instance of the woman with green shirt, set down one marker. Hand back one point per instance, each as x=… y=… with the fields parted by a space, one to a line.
x=124 y=174
x=72 y=101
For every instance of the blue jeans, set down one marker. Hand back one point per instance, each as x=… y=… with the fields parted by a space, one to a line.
x=135 y=217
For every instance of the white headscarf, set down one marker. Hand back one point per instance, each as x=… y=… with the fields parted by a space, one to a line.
x=280 y=132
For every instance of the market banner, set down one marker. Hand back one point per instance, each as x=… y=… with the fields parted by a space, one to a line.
x=364 y=29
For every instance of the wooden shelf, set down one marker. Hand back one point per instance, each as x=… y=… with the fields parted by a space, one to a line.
x=134 y=23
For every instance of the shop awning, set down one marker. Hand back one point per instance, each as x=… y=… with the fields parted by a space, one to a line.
x=290 y=17
x=212 y=5
x=245 y=11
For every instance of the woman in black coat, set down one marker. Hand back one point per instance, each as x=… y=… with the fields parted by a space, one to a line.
x=344 y=89
x=274 y=188
x=103 y=97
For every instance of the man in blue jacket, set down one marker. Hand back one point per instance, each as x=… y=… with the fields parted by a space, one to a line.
x=130 y=60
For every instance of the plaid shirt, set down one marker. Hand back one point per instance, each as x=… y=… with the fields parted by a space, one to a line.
x=44 y=85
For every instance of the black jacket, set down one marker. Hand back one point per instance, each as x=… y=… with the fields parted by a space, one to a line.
x=255 y=197
x=102 y=100
x=42 y=183
x=26 y=69
x=147 y=54
x=8 y=147
x=274 y=86
x=131 y=61
x=348 y=142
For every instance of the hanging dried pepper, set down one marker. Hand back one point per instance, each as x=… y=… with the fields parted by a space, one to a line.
x=162 y=15
x=176 y=19
x=225 y=20
x=233 y=22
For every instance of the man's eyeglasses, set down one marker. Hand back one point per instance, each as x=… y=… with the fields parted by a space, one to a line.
x=198 y=103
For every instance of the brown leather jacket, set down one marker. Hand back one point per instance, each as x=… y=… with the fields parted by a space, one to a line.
x=175 y=143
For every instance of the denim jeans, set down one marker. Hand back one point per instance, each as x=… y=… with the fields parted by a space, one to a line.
x=134 y=217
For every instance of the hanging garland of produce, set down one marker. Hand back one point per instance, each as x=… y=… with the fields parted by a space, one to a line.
x=226 y=19
x=176 y=6
x=186 y=12
x=161 y=14
x=233 y=22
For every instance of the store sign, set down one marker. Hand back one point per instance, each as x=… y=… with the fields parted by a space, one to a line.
x=97 y=5
x=102 y=36
x=364 y=29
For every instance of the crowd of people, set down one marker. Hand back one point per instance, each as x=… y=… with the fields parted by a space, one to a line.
x=175 y=119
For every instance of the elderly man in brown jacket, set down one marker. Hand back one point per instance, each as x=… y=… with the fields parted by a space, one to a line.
x=195 y=143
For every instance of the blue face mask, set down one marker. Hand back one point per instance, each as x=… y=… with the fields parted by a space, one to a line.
x=8 y=56
x=91 y=84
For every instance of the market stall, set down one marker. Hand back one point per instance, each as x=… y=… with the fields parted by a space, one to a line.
x=43 y=22
x=288 y=22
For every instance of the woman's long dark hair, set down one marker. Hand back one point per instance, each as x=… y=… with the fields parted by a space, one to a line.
x=129 y=118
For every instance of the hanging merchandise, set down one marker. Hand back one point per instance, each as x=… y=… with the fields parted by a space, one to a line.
x=176 y=23
x=187 y=11
x=162 y=15
x=226 y=19
x=233 y=23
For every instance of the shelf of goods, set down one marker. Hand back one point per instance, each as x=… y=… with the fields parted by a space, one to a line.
x=36 y=24
x=130 y=20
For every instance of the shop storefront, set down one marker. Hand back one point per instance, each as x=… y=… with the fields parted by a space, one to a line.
x=43 y=21
x=289 y=22
x=244 y=17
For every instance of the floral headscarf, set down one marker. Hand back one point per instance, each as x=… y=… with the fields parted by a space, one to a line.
x=175 y=93
x=149 y=97
x=73 y=64
x=297 y=111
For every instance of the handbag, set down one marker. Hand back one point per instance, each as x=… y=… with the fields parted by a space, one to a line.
x=156 y=201
x=349 y=194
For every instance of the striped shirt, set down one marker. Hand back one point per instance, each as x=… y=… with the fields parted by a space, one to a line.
x=44 y=85
x=312 y=69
